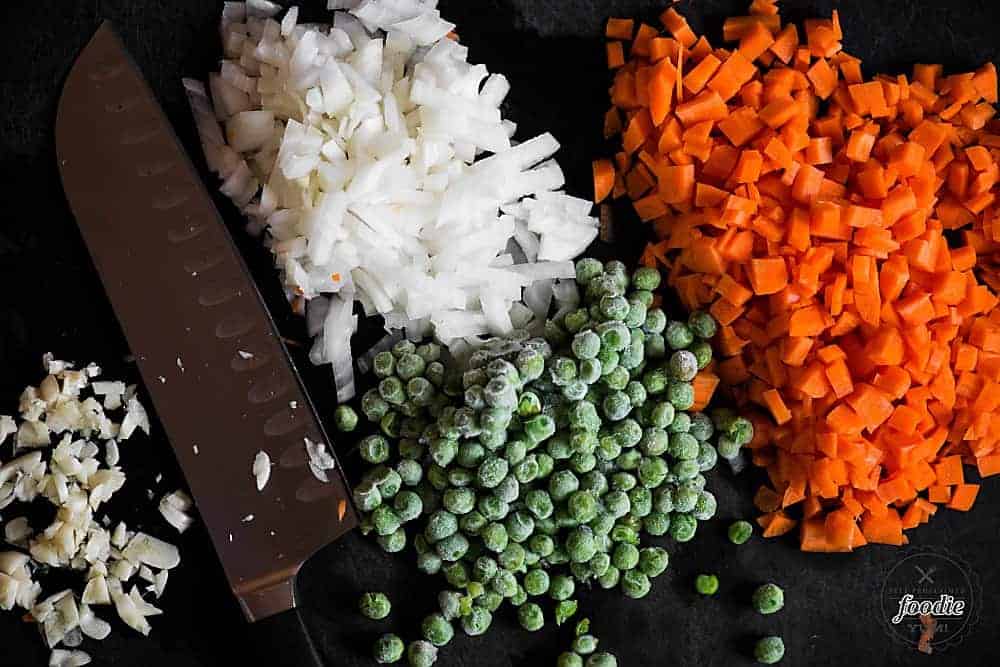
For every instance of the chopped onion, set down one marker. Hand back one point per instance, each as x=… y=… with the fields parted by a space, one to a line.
x=360 y=149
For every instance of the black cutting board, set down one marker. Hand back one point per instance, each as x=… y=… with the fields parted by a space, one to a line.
x=51 y=299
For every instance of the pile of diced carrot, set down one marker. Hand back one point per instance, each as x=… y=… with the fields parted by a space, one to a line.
x=835 y=228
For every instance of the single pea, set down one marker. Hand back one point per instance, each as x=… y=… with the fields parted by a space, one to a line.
x=561 y=587
x=450 y=604
x=768 y=599
x=683 y=366
x=477 y=621
x=625 y=556
x=616 y=406
x=655 y=381
x=740 y=531
x=683 y=447
x=590 y=371
x=531 y=617
x=680 y=424
x=587 y=269
x=495 y=537
x=602 y=660
x=539 y=428
x=374 y=449
x=520 y=597
x=367 y=496
x=384 y=364
x=617 y=503
x=615 y=337
x=541 y=544
x=706 y=584
x=408 y=506
x=642 y=501
x=437 y=630
x=610 y=578
x=635 y=584
x=646 y=278
x=655 y=442
x=394 y=542
x=636 y=393
x=656 y=523
x=421 y=653
x=456 y=574
x=727 y=448
x=509 y=489
x=614 y=307
x=530 y=364
x=435 y=374
x=410 y=472
x=678 y=335
x=443 y=451
x=681 y=395
x=653 y=472
x=375 y=606
x=655 y=347
x=403 y=347
x=683 y=527
x=565 y=610
x=576 y=320
x=685 y=498
x=580 y=544
x=705 y=507
x=386 y=520
x=520 y=526
x=388 y=649
x=567 y=659
x=617 y=380
x=586 y=345
x=702 y=352
x=492 y=507
x=609 y=360
x=582 y=506
x=391 y=390
x=702 y=324
x=440 y=525
x=539 y=503
x=628 y=433
x=636 y=313
x=707 y=456
x=562 y=484
x=740 y=429
x=769 y=650
x=411 y=449
x=452 y=548
x=656 y=322
x=529 y=405
x=492 y=471
x=373 y=405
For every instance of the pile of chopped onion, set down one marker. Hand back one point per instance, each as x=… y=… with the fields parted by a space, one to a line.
x=64 y=424
x=375 y=159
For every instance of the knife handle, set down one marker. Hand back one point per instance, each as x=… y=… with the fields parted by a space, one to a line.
x=282 y=640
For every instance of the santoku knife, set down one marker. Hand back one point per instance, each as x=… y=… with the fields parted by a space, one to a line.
x=220 y=379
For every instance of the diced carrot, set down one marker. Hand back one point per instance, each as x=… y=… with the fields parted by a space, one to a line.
x=604 y=179
x=963 y=497
x=619 y=28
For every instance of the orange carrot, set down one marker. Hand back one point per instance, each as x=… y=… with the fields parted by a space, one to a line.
x=843 y=231
x=604 y=179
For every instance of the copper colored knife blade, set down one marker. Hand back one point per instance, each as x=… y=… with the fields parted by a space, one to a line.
x=221 y=381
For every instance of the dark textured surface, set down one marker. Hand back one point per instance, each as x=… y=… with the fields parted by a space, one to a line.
x=51 y=299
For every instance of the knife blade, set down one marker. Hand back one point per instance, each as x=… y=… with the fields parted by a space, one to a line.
x=220 y=378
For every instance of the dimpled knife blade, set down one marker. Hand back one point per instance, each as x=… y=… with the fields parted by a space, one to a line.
x=220 y=378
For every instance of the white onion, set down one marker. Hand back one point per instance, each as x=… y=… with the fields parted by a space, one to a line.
x=356 y=148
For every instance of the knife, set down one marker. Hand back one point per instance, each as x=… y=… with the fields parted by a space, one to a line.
x=210 y=356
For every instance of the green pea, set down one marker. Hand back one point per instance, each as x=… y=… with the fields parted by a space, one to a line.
x=421 y=654
x=440 y=525
x=702 y=352
x=539 y=428
x=683 y=527
x=635 y=584
x=452 y=548
x=656 y=322
x=646 y=278
x=529 y=405
x=531 y=617
x=492 y=471
x=374 y=449
x=562 y=484
x=495 y=537
x=584 y=644
x=443 y=451
x=655 y=347
x=768 y=599
x=628 y=433
x=388 y=649
x=586 y=345
x=391 y=390
x=655 y=381
x=459 y=501
x=477 y=621
x=656 y=523
x=683 y=366
x=705 y=507
x=408 y=506
x=437 y=630
x=769 y=650
x=678 y=335
x=610 y=578
x=653 y=472
x=429 y=563
x=472 y=523
x=681 y=395
x=706 y=584
x=576 y=320
x=456 y=574
x=568 y=659
x=590 y=371
x=740 y=531
x=520 y=525
x=375 y=606
x=702 y=324
x=580 y=544
x=587 y=269
x=390 y=424
x=614 y=307
x=561 y=587
x=493 y=507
